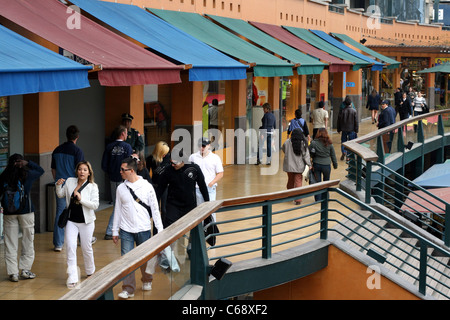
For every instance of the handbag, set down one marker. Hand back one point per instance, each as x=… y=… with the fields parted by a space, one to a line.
x=312 y=177
x=65 y=215
x=140 y=202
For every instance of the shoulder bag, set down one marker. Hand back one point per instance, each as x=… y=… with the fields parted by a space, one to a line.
x=65 y=215
x=140 y=201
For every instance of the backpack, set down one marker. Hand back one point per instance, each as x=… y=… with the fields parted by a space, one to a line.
x=13 y=199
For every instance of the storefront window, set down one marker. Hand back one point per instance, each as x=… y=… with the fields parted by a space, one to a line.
x=216 y=115
x=387 y=87
x=409 y=76
x=286 y=104
x=4 y=132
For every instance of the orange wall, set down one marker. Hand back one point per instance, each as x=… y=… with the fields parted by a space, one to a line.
x=307 y=14
x=343 y=279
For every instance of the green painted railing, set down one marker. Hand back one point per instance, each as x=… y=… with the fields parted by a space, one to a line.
x=377 y=164
x=262 y=225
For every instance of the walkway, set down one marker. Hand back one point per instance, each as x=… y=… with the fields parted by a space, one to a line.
x=50 y=266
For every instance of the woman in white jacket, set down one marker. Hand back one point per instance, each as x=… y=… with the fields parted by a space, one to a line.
x=82 y=207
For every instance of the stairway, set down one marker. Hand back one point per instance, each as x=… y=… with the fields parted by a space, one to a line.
x=397 y=250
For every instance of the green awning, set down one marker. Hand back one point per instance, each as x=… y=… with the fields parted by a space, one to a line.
x=391 y=63
x=314 y=40
x=264 y=64
x=443 y=68
x=308 y=64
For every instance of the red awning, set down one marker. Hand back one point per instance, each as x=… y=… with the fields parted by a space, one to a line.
x=335 y=64
x=123 y=63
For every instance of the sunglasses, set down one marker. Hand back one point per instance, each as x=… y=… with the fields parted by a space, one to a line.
x=123 y=169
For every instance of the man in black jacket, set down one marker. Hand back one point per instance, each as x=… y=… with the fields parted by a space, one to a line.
x=181 y=178
x=347 y=124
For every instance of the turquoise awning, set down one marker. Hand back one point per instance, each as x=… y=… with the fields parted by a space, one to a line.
x=264 y=64
x=308 y=64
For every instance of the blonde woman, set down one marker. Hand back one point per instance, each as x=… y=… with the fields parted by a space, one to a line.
x=82 y=198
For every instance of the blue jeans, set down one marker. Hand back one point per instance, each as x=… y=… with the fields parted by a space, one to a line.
x=58 y=233
x=127 y=241
x=114 y=186
x=347 y=136
x=319 y=171
x=266 y=137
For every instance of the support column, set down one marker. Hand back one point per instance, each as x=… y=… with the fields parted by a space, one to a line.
x=187 y=101
x=354 y=89
x=119 y=100
x=238 y=94
x=41 y=137
x=339 y=93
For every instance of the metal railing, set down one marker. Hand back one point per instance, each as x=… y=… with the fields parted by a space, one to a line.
x=377 y=164
x=279 y=224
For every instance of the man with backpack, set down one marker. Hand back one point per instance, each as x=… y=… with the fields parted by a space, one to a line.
x=299 y=122
x=18 y=212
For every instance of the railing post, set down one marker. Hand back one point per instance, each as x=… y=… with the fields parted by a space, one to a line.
x=368 y=181
x=324 y=215
x=358 y=172
x=447 y=225
x=199 y=258
x=267 y=231
x=423 y=268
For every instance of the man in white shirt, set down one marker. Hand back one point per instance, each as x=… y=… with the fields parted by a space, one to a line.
x=133 y=221
x=211 y=166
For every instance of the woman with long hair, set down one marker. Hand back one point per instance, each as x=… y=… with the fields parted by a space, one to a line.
x=19 y=174
x=156 y=163
x=296 y=158
x=323 y=154
x=82 y=199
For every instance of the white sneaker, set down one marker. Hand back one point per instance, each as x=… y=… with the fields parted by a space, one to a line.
x=125 y=295
x=146 y=286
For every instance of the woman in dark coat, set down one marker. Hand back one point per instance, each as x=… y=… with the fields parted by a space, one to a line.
x=373 y=104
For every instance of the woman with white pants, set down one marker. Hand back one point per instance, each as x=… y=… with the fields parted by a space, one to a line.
x=82 y=207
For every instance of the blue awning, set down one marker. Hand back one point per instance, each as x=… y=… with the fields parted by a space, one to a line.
x=377 y=66
x=26 y=67
x=160 y=36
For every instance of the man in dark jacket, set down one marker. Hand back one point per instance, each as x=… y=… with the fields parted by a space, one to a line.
x=385 y=119
x=113 y=155
x=347 y=124
x=405 y=109
x=265 y=134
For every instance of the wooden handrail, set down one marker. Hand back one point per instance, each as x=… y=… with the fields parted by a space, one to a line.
x=104 y=279
x=280 y=194
x=369 y=155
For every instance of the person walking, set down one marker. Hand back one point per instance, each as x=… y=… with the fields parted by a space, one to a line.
x=419 y=104
x=265 y=134
x=323 y=155
x=397 y=99
x=65 y=158
x=181 y=179
x=319 y=118
x=386 y=118
x=299 y=122
x=296 y=158
x=212 y=169
x=156 y=163
x=373 y=104
x=132 y=221
x=82 y=199
x=405 y=109
x=113 y=155
x=347 y=123
x=19 y=176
